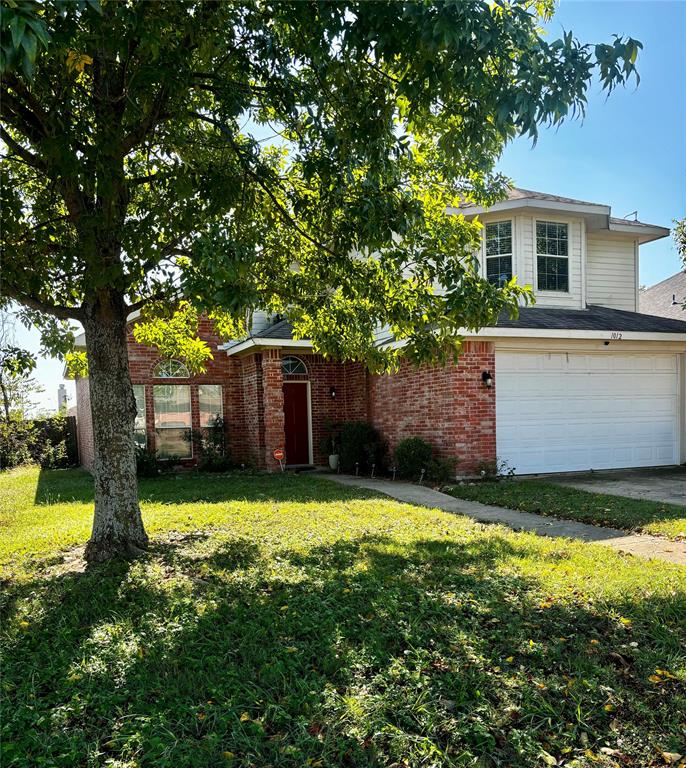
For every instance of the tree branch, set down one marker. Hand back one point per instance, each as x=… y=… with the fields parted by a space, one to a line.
x=28 y=157
x=256 y=177
x=61 y=312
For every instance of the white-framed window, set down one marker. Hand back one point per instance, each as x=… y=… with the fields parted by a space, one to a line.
x=173 y=421
x=140 y=433
x=170 y=369
x=293 y=366
x=210 y=400
x=499 y=252
x=552 y=256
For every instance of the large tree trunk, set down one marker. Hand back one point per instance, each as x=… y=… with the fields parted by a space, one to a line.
x=117 y=526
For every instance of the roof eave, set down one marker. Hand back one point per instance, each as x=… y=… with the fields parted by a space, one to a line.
x=645 y=233
x=559 y=333
x=532 y=202
x=257 y=342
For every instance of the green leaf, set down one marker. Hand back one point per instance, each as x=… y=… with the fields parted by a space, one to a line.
x=17 y=26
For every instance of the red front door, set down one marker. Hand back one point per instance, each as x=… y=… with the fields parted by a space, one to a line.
x=296 y=423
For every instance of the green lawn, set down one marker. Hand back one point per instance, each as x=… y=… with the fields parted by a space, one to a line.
x=656 y=518
x=286 y=621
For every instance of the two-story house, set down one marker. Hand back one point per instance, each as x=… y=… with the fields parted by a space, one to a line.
x=579 y=381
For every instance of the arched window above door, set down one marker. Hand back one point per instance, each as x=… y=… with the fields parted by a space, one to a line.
x=170 y=369
x=293 y=366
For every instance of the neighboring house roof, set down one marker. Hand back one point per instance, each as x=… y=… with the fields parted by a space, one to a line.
x=593 y=318
x=665 y=298
x=598 y=216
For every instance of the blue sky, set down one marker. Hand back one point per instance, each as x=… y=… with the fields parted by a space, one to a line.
x=629 y=152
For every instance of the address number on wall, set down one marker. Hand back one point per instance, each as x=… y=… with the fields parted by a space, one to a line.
x=616 y=335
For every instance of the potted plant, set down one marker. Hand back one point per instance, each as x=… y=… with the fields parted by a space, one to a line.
x=329 y=444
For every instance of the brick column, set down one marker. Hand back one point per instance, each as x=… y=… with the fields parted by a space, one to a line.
x=272 y=398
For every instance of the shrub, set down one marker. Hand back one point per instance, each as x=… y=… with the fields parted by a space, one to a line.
x=497 y=469
x=441 y=470
x=147 y=463
x=211 y=445
x=17 y=440
x=53 y=456
x=43 y=442
x=361 y=444
x=411 y=456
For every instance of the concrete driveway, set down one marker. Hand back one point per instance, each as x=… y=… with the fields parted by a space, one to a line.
x=657 y=484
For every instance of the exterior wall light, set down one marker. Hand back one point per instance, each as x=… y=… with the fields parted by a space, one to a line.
x=487 y=379
x=332 y=392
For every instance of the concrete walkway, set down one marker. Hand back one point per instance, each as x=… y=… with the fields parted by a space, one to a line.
x=634 y=544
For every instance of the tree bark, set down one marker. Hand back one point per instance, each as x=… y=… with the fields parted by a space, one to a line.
x=117 y=525
x=5 y=401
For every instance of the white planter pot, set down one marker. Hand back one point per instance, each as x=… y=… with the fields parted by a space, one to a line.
x=333 y=461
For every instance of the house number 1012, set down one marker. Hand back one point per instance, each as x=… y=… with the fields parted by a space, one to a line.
x=615 y=335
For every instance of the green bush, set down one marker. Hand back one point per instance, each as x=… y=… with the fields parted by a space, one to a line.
x=43 y=442
x=147 y=463
x=211 y=445
x=412 y=455
x=360 y=444
x=17 y=439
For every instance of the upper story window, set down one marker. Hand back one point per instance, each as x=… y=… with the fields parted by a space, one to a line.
x=499 y=252
x=170 y=369
x=293 y=366
x=552 y=256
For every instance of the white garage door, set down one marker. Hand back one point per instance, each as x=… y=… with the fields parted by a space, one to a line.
x=561 y=412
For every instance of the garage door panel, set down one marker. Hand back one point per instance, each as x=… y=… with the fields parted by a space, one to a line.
x=568 y=411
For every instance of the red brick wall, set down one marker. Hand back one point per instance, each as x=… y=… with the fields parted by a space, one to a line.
x=220 y=370
x=249 y=445
x=350 y=404
x=84 y=423
x=448 y=407
x=272 y=399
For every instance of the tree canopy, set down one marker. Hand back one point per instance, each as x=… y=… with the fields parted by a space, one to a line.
x=295 y=156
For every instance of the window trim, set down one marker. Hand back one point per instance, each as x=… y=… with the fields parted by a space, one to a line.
x=547 y=291
x=484 y=255
x=190 y=429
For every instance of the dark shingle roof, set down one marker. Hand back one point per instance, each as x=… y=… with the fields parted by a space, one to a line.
x=280 y=330
x=593 y=318
x=659 y=299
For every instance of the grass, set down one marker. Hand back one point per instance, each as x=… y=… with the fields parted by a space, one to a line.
x=287 y=621
x=653 y=517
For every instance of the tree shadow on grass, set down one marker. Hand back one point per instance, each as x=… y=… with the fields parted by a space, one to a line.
x=362 y=652
x=64 y=486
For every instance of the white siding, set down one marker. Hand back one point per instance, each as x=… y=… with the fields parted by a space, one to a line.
x=611 y=271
